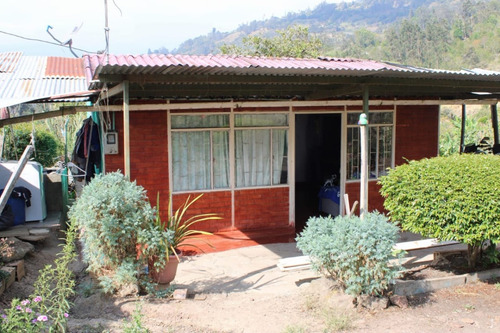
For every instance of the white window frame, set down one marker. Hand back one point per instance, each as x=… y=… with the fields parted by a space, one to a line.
x=393 y=143
x=211 y=130
x=232 y=147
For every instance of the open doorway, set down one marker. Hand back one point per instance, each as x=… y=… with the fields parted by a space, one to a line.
x=317 y=166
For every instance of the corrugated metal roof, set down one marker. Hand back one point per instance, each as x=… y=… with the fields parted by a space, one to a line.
x=28 y=78
x=8 y=61
x=96 y=65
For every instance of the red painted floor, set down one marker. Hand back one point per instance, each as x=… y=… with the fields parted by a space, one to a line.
x=228 y=240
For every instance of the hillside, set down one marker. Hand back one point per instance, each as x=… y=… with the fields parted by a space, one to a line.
x=449 y=34
x=325 y=19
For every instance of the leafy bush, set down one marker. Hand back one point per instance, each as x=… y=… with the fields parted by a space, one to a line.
x=110 y=212
x=47 y=308
x=47 y=148
x=355 y=252
x=450 y=198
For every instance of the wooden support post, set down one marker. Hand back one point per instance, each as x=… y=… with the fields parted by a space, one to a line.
x=494 y=123
x=126 y=128
x=462 y=131
x=15 y=176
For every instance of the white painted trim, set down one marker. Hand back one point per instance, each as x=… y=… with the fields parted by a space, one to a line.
x=270 y=104
x=394 y=122
x=232 y=166
x=291 y=167
x=169 y=145
x=343 y=160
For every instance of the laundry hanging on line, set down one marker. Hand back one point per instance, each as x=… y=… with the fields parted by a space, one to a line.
x=87 y=151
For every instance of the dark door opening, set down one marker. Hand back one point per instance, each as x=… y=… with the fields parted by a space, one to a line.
x=317 y=163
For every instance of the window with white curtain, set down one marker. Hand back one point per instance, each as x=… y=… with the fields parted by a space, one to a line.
x=261 y=149
x=200 y=152
x=380 y=142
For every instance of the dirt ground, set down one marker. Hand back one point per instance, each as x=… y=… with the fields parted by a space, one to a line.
x=243 y=291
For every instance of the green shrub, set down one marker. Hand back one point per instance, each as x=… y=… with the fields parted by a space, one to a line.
x=110 y=212
x=355 y=252
x=450 y=198
x=47 y=148
x=47 y=308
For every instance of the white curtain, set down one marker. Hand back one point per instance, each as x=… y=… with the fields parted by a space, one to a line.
x=253 y=153
x=221 y=158
x=191 y=160
x=253 y=157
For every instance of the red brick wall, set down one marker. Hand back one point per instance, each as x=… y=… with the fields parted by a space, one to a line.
x=417 y=132
x=211 y=202
x=148 y=152
x=375 y=200
x=261 y=208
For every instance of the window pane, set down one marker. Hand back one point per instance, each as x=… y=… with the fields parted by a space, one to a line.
x=191 y=160
x=352 y=118
x=280 y=157
x=385 y=149
x=353 y=155
x=372 y=142
x=201 y=121
x=221 y=158
x=253 y=155
x=381 y=117
x=260 y=120
x=375 y=118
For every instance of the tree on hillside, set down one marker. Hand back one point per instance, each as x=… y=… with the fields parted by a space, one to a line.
x=295 y=41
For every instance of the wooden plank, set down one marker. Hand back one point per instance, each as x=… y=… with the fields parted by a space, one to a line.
x=422 y=244
x=19 y=266
x=294 y=263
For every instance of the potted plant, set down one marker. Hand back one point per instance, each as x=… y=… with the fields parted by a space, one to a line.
x=162 y=241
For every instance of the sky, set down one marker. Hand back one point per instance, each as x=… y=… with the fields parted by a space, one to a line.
x=135 y=25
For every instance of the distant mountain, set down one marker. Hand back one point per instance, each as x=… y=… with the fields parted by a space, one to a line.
x=326 y=20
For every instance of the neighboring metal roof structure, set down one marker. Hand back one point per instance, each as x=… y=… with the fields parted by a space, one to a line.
x=242 y=76
x=29 y=78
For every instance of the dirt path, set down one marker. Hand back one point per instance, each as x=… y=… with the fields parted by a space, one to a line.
x=243 y=291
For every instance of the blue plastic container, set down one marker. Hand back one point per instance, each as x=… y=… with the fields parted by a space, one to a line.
x=18 y=207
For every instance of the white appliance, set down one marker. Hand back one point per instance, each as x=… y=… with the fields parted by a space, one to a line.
x=32 y=179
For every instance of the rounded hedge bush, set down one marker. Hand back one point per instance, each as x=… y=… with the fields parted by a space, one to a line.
x=450 y=198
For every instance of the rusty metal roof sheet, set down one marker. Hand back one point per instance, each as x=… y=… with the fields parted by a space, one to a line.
x=96 y=65
x=28 y=78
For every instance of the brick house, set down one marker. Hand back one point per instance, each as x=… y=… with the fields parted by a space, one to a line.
x=263 y=138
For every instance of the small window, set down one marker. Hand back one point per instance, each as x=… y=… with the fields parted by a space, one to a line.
x=380 y=142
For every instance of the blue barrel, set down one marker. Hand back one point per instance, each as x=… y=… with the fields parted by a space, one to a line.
x=18 y=205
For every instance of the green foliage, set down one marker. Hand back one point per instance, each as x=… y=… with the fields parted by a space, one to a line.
x=295 y=41
x=47 y=309
x=450 y=198
x=47 y=149
x=111 y=212
x=355 y=252
x=134 y=324
x=164 y=237
x=477 y=126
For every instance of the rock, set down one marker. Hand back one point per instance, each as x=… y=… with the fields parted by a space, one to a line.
x=130 y=289
x=372 y=302
x=399 y=301
x=19 y=250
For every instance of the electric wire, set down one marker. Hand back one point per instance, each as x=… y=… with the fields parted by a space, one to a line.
x=44 y=41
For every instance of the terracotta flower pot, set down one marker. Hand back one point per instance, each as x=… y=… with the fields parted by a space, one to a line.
x=166 y=274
